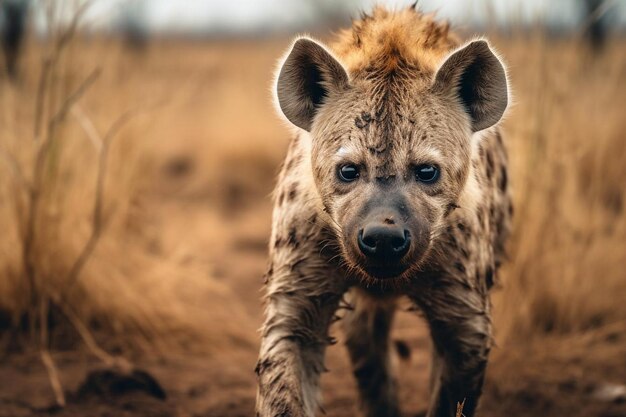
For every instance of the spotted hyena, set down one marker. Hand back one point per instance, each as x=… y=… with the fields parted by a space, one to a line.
x=395 y=184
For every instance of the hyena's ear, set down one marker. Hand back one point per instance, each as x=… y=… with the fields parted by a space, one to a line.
x=475 y=76
x=308 y=76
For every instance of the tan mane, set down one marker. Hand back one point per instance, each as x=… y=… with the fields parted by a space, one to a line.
x=385 y=41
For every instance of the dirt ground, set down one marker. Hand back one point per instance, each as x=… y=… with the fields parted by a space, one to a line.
x=553 y=377
x=208 y=186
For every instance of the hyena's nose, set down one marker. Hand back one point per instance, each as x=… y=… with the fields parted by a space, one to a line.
x=384 y=243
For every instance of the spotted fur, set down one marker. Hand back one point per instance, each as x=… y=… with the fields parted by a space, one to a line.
x=395 y=90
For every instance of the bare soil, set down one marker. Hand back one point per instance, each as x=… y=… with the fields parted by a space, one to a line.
x=552 y=376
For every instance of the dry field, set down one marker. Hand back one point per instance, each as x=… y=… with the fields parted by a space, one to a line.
x=173 y=283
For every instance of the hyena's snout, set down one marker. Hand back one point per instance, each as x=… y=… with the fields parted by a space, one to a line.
x=384 y=242
x=388 y=242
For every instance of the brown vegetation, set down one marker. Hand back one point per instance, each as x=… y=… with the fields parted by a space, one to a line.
x=185 y=209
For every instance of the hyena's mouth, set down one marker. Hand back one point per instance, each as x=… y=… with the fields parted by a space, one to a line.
x=390 y=273
x=385 y=272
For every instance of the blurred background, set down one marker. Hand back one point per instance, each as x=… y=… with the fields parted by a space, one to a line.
x=138 y=152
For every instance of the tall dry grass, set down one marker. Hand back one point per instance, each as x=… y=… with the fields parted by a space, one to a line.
x=567 y=137
x=129 y=291
x=205 y=115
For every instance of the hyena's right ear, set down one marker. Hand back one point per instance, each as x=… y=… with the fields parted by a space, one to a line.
x=474 y=76
x=307 y=78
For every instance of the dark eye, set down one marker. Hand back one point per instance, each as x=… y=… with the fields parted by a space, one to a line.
x=427 y=173
x=348 y=172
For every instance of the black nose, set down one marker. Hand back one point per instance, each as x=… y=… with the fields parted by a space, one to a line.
x=384 y=243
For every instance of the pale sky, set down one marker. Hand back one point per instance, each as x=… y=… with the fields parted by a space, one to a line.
x=241 y=16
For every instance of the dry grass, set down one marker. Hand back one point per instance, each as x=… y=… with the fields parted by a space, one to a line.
x=567 y=142
x=130 y=287
x=206 y=148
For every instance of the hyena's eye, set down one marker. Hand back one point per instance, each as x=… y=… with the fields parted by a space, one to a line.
x=427 y=173
x=348 y=172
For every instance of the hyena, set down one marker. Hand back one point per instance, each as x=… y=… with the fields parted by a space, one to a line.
x=395 y=185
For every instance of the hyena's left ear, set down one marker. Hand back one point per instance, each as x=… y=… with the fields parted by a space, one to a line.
x=475 y=76
x=307 y=78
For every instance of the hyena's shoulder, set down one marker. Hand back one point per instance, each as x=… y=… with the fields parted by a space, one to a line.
x=493 y=173
x=299 y=223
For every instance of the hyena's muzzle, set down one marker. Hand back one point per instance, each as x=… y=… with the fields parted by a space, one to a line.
x=385 y=237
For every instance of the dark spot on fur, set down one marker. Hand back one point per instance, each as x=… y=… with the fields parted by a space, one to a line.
x=268 y=274
x=500 y=224
x=499 y=137
x=293 y=192
x=296 y=264
x=490 y=164
x=365 y=371
x=262 y=365
x=319 y=171
x=463 y=228
x=434 y=191
x=281 y=198
x=459 y=267
x=293 y=161
x=489 y=277
x=360 y=123
x=481 y=217
x=459 y=176
x=403 y=349
x=453 y=242
x=450 y=208
x=384 y=169
x=386 y=180
x=278 y=243
x=292 y=239
x=285 y=413
x=394 y=52
x=504 y=179
x=377 y=150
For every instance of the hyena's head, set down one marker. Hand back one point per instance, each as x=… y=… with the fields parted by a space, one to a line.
x=391 y=144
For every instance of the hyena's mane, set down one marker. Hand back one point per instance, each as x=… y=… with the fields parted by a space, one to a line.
x=387 y=42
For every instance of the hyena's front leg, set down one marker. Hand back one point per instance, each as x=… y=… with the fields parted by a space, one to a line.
x=367 y=328
x=301 y=302
x=460 y=326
